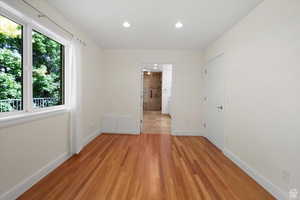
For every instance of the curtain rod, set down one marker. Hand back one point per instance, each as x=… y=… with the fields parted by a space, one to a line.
x=41 y=14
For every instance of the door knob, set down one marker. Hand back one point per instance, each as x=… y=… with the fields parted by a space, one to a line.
x=220 y=107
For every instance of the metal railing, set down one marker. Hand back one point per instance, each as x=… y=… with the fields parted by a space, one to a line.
x=44 y=102
x=9 y=105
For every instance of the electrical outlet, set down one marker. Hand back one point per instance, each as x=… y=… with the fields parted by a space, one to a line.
x=286 y=177
x=204 y=125
x=293 y=194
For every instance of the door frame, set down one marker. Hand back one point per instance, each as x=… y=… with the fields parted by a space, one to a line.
x=141 y=90
x=204 y=71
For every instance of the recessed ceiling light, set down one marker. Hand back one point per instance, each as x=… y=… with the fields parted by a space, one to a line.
x=126 y=24
x=155 y=65
x=155 y=68
x=178 y=25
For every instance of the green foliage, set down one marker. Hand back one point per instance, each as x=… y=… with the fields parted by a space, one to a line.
x=46 y=52
x=5 y=107
x=46 y=65
x=12 y=43
x=44 y=84
x=10 y=89
x=11 y=60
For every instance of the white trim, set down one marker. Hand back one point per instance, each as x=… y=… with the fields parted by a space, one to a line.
x=215 y=143
x=186 y=133
x=45 y=31
x=259 y=178
x=91 y=137
x=28 y=182
x=67 y=75
x=27 y=69
x=24 y=117
x=12 y=14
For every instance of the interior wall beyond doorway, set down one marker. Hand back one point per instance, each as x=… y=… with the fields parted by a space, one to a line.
x=152 y=91
x=123 y=105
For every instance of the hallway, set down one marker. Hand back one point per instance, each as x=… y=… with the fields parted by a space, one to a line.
x=156 y=123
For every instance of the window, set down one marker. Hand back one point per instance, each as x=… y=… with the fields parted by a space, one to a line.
x=32 y=66
x=11 y=67
x=47 y=71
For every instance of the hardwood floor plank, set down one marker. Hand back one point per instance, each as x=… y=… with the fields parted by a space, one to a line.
x=148 y=167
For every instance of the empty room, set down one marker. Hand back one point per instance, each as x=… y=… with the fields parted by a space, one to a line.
x=149 y=100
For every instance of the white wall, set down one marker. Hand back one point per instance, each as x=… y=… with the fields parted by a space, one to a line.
x=122 y=87
x=27 y=148
x=166 y=88
x=262 y=112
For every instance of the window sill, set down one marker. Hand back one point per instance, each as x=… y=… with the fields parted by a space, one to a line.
x=24 y=117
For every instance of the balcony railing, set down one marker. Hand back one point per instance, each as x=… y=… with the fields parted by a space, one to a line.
x=8 y=105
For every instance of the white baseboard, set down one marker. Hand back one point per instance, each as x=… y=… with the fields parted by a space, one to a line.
x=27 y=183
x=132 y=132
x=264 y=182
x=186 y=133
x=216 y=144
x=88 y=139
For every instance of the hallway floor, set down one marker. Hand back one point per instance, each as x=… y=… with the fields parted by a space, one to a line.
x=157 y=123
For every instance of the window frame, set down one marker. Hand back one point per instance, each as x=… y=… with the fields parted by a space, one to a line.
x=21 y=22
x=28 y=26
x=62 y=75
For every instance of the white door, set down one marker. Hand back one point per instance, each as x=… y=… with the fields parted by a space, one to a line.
x=166 y=88
x=214 y=101
x=141 y=100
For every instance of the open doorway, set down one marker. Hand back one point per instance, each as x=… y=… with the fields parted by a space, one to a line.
x=156 y=99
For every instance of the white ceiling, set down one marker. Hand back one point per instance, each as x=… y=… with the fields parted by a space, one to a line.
x=152 y=21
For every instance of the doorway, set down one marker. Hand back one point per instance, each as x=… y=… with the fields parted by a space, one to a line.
x=156 y=99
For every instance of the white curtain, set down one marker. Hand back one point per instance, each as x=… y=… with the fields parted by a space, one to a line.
x=75 y=97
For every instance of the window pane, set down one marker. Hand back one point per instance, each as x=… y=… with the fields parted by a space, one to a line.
x=11 y=72
x=47 y=72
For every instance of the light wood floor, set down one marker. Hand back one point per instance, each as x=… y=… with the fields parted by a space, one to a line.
x=155 y=122
x=148 y=167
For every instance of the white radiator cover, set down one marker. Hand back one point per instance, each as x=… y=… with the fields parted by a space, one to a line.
x=114 y=123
